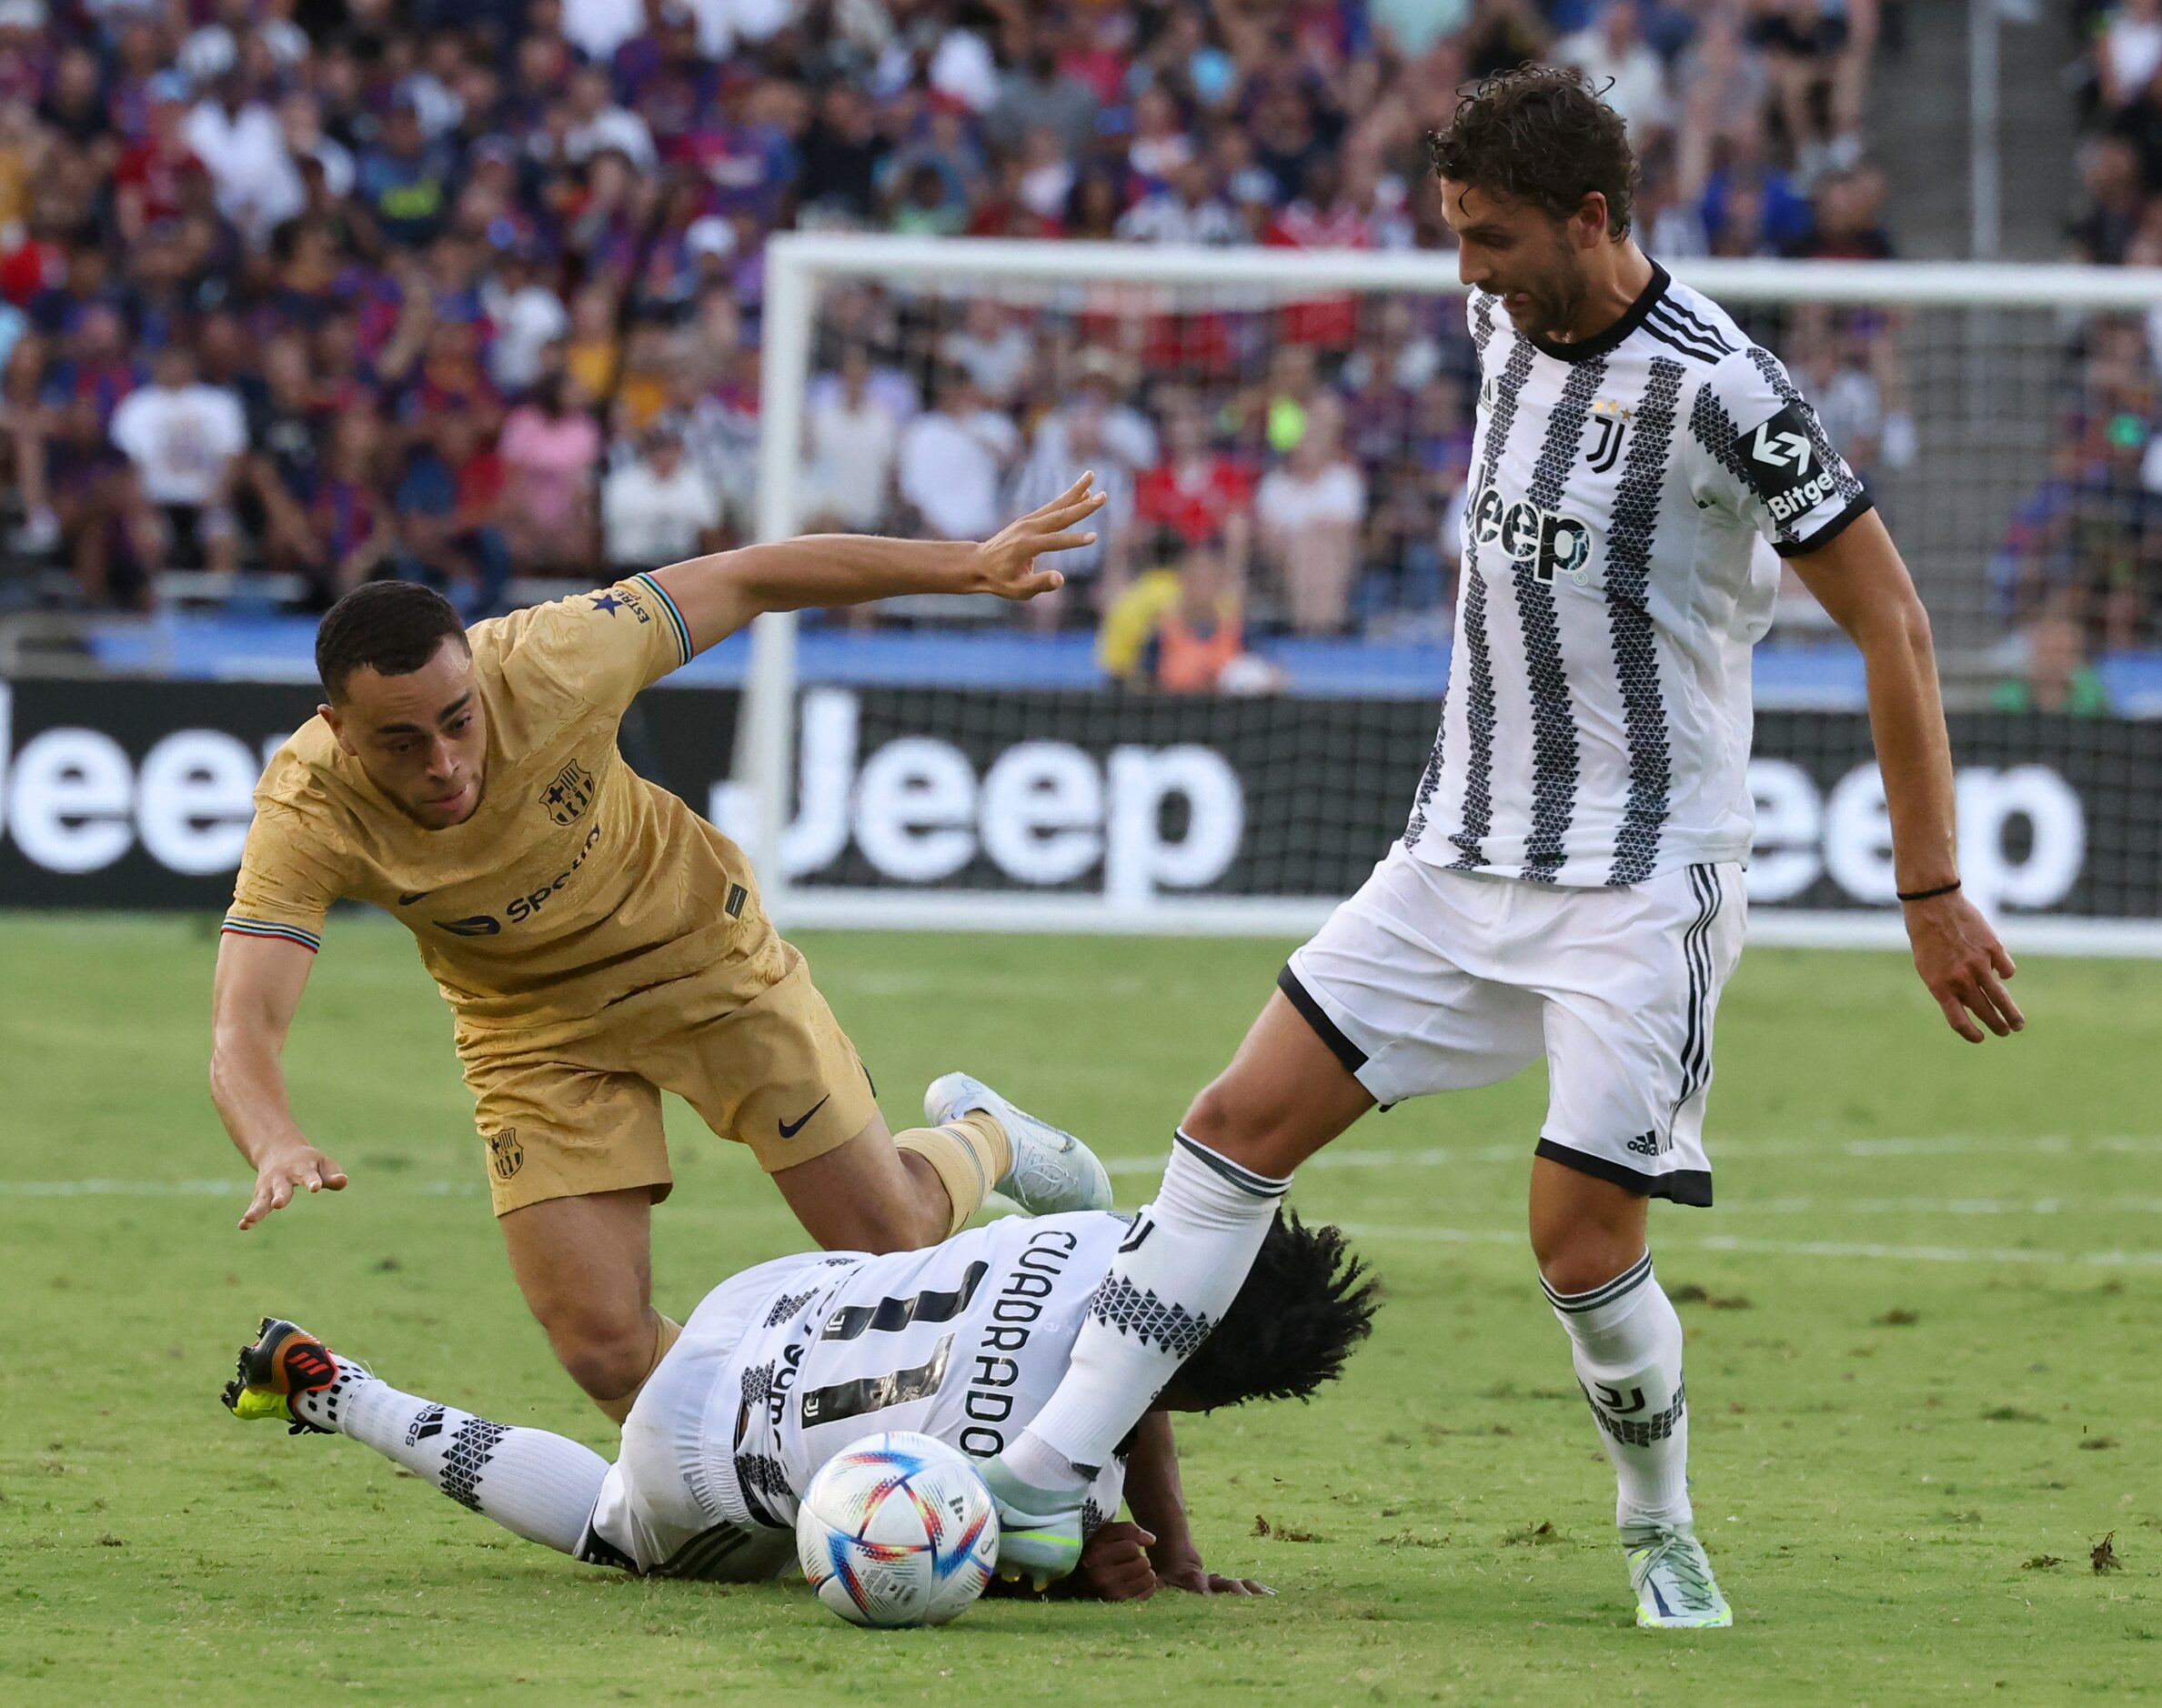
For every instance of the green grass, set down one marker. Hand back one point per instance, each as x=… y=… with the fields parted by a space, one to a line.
x=1882 y=1439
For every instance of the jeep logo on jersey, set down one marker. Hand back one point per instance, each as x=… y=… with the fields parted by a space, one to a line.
x=1526 y=533
x=1780 y=461
x=570 y=794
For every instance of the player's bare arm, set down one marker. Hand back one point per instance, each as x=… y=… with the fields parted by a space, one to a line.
x=256 y=992
x=719 y=594
x=1158 y=1502
x=1863 y=584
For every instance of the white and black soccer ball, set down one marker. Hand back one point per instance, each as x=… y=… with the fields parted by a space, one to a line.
x=898 y=1530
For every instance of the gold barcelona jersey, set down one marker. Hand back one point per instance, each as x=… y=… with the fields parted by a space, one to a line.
x=577 y=893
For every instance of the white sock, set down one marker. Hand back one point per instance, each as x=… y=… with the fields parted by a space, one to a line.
x=1627 y=1342
x=541 y=1486
x=1175 y=1275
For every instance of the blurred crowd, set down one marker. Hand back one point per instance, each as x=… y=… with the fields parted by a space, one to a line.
x=2084 y=548
x=471 y=293
x=2080 y=570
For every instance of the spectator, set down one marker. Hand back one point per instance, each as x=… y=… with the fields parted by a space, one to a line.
x=1611 y=51
x=525 y=315
x=1309 y=511
x=991 y=345
x=2052 y=676
x=1202 y=636
x=658 y=510
x=285 y=434
x=349 y=523
x=150 y=181
x=448 y=502
x=1195 y=492
x=841 y=157
x=241 y=143
x=404 y=181
x=92 y=495
x=597 y=123
x=953 y=462
x=2129 y=52
x=1075 y=438
x=1040 y=95
x=550 y=450
x=855 y=436
x=184 y=441
x=2107 y=219
x=1844 y=225
x=1188 y=210
x=1817 y=52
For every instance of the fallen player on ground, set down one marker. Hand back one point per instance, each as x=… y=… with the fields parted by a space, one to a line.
x=788 y=1363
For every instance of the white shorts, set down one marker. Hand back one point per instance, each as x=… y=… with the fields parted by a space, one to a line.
x=1434 y=981
x=669 y=1505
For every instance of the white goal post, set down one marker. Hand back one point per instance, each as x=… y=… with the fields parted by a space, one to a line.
x=1985 y=348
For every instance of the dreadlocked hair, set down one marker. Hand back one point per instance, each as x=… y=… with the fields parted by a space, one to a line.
x=1306 y=1303
x=1541 y=134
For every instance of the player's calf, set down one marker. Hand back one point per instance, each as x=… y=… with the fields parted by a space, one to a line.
x=541 y=1486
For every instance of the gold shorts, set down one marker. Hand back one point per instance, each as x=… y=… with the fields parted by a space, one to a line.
x=769 y=1068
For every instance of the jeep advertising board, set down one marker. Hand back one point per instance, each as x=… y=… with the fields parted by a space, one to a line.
x=128 y=794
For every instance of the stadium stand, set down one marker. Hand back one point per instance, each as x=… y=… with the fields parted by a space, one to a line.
x=295 y=293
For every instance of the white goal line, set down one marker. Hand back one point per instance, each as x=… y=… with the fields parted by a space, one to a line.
x=1843 y=1251
x=1669 y=1238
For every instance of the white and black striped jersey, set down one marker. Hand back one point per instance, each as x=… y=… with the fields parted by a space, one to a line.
x=1628 y=495
x=964 y=1342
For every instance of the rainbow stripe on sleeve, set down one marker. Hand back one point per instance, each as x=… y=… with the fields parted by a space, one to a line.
x=681 y=628
x=241 y=927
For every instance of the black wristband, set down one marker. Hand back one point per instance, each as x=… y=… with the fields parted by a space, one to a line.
x=1925 y=895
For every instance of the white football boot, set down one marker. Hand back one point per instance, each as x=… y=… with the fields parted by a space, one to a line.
x=1675 y=1589
x=1052 y=1171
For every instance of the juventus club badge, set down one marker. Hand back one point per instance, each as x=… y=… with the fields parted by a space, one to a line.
x=1610 y=423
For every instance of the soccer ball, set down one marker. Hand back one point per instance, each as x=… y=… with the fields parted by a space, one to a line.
x=898 y=1530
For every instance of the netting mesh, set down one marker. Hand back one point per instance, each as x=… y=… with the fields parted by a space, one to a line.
x=2009 y=448
x=1285 y=470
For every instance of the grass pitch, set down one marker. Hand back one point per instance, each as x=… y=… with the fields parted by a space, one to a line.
x=1924 y=1353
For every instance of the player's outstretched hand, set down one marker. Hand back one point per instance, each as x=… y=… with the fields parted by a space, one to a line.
x=295 y=1168
x=1965 y=966
x=1006 y=563
x=1181 y=1569
x=1115 y=1564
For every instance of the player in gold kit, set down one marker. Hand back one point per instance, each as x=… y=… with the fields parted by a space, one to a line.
x=597 y=942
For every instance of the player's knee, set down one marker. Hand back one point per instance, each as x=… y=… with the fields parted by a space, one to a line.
x=1576 y=1257
x=1232 y=1123
x=607 y=1352
x=883 y=1225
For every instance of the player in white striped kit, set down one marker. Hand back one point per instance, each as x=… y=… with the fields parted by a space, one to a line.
x=1569 y=884
x=790 y=1363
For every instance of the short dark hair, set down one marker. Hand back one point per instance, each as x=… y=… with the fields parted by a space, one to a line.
x=1305 y=1304
x=1541 y=134
x=393 y=626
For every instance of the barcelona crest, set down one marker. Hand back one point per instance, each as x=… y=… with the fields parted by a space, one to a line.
x=506 y=1155
x=570 y=795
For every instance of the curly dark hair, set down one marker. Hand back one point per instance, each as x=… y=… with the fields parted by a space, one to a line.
x=393 y=626
x=1306 y=1303
x=1541 y=134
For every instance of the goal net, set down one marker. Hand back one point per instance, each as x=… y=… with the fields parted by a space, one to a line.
x=1220 y=724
